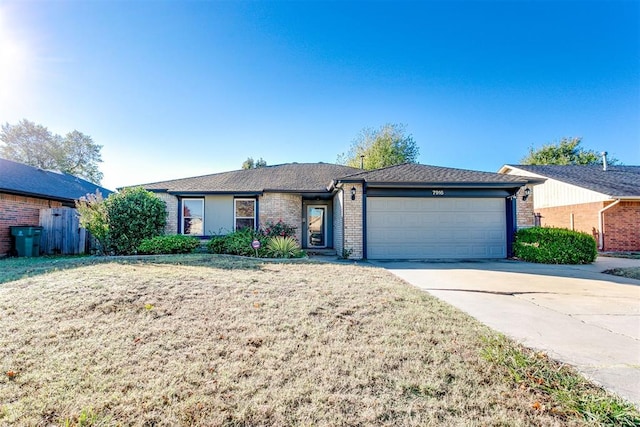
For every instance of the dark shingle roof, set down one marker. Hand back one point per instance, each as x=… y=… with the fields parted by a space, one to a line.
x=616 y=181
x=416 y=174
x=303 y=177
x=18 y=178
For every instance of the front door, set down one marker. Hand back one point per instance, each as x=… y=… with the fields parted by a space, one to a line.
x=317 y=226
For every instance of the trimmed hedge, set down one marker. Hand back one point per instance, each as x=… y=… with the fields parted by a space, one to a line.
x=555 y=246
x=175 y=244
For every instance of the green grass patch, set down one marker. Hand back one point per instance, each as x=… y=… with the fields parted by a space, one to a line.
x=567 y=392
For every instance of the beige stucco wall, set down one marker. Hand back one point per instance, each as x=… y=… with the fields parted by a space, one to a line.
x=352 y=221
x=282 y=206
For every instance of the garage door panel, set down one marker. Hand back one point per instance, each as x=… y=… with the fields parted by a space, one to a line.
x=435 y=228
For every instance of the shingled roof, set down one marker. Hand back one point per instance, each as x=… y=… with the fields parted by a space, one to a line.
x=616 y=181
x=21 y=179
x=416 y=174
x=290 y=177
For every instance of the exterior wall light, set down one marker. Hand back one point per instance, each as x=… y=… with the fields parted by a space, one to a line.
x=527 y=192
x=353 y=193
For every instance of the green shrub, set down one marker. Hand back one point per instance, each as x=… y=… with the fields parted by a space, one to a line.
x=555 y=246
x=284 y=247
x=175 y=244
x=279 y=228
x=216 y=244
x=134 y=214
x=239 y=243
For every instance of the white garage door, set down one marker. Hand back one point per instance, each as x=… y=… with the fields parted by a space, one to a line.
x=414 y=228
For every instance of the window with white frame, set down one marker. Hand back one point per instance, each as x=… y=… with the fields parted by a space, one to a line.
x=244 y=213
x=193 y=217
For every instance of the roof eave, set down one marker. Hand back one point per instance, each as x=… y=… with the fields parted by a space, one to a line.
x=205 y=193
x=513 y=184
x=627 y=198
x=37 y=195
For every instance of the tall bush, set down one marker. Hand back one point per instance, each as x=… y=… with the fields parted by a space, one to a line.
x=93 y=216
x=555 y=246
x=134 y=214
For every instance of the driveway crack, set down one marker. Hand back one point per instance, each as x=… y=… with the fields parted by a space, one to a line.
x=481 y=291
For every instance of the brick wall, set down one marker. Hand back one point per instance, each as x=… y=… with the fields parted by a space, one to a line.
x=172 y=212
x=525 y=215
x=19 y=210
x=282 y=206
x=338 y=226
x=353 y=233
x=621 y=222
x=585 y=217
x=622 y=227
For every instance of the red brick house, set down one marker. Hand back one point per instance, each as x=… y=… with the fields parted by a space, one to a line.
x=604 y=203
x=25 y=190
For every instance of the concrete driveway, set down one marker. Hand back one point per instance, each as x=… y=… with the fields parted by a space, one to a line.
x=576 y=314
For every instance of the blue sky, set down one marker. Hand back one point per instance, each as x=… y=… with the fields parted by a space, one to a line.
x=174 y=89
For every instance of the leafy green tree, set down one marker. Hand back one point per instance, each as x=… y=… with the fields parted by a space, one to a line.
x=248 y=164
x=251 y=164
x=29 y=143
x=565 y=152
x=134 y=214
x=377 y=148
x=79 y=156
x=35 y=145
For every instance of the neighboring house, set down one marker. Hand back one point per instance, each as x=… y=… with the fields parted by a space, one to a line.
x=604 y=203
x=25 y=190
x=400 y=212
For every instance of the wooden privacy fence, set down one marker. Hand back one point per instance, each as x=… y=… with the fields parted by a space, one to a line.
x=61 y=232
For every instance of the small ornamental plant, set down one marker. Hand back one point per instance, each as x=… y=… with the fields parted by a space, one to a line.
x=279 y=228
x=284 y=247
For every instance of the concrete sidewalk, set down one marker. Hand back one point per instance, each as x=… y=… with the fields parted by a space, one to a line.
x=576 y=314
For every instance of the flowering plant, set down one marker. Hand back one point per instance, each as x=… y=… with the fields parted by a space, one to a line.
x=279 y=228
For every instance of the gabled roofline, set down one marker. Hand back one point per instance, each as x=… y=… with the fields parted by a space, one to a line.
x=537 y=179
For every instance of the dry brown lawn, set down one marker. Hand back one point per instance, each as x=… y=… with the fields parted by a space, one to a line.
x=260 y=344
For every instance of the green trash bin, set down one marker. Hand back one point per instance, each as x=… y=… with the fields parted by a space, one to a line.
x=27 y=240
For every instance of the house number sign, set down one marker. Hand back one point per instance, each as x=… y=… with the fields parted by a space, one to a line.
x=437 y=192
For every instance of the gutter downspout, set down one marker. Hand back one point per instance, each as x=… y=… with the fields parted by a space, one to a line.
x=601 y=221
